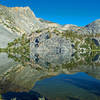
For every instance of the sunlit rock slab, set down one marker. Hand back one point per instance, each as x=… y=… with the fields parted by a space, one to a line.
x=6 y=36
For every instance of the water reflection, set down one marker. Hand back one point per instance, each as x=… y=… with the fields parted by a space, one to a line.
x=6 y=63
x=31 y=95
x=40 y=73
x=69 y=87
x=96 y=57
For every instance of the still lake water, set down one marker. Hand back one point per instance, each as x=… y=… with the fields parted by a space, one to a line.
x=51 y=77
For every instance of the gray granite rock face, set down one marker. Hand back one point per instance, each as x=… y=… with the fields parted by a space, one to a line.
x=93 y=27
x=6 y=36
x=20 y=19
x=53 y=49
x=6 y=63
x=15 y=21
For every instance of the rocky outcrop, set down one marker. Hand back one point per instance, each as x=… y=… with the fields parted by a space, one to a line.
x=93 y=27
x=51 y=48
x=19 y=19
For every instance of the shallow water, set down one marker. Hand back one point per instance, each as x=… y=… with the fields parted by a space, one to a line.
x=53 y=76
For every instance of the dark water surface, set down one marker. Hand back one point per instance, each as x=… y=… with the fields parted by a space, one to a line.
x=50 y=77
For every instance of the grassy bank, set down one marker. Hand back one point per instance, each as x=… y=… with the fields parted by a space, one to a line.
x=3 y=49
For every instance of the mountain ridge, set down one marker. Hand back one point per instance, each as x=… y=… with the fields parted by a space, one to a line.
x=31 y=22
x=22 y=20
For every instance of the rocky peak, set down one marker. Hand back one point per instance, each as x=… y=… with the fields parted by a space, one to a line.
x=19 y=19
x=94 y=27
x=16 y=21
x=23 y=10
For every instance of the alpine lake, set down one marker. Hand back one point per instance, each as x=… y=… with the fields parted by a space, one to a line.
x=51 y=77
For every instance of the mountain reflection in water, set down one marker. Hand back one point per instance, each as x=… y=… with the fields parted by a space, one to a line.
x=48 y=76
